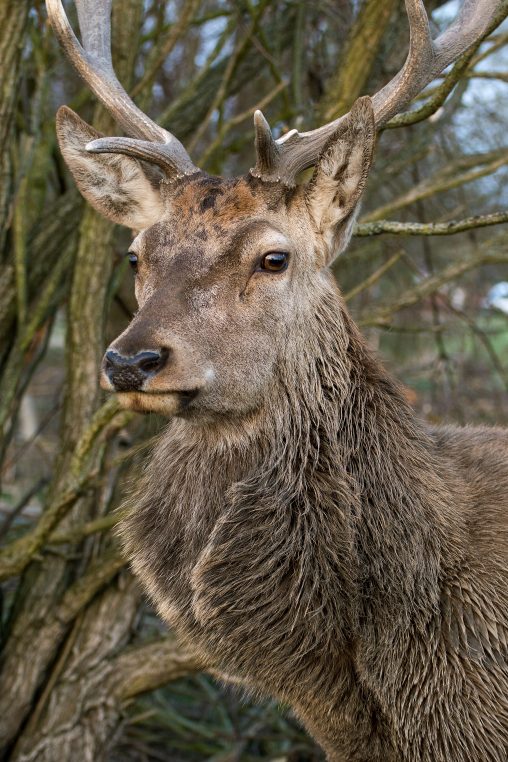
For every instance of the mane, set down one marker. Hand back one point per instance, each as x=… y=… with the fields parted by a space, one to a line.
x=334 y=469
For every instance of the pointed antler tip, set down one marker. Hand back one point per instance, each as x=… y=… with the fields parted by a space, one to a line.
x=104 y=145
x=260 y=122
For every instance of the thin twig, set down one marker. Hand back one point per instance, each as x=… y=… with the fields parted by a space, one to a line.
x=373 y=278
x=175 y=33
x=429 y=285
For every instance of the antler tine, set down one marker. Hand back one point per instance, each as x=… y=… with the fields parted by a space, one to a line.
x=92 y=60
x=267 y=152
x=426 y=59
x=415 y=73
x=139 y=149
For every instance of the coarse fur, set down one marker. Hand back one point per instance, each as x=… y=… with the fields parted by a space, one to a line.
x=333 y=552
x=297 y=524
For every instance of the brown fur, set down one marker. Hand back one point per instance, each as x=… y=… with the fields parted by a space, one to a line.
x=334 y=553
x=296 y=523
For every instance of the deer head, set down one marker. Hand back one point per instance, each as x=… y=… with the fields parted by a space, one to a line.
x=229 y=273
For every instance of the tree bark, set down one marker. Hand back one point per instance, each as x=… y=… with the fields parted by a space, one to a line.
x=44 y=582
x=357 y=58
x=13 y=18
x=78 y=717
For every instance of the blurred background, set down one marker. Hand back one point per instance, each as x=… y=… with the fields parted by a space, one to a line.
x=87 y=672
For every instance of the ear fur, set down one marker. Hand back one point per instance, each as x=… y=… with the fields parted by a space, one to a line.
x=119 y=187
x=334 y=192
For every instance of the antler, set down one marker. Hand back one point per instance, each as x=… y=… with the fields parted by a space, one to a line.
x=283 y=159
x=92 y=60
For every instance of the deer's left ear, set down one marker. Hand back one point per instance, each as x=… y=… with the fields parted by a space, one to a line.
x=334 y=192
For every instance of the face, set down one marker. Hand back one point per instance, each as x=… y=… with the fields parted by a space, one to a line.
x=220 y=283
x=228 y=272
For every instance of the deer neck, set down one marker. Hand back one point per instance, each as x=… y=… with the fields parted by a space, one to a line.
x=299 y=549
x=358 y=447
x=336 y=461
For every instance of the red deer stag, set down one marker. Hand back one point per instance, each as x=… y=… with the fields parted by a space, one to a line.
x=297 y=524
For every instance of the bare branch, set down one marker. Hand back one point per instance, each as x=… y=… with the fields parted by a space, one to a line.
x=15 y=556
x=429 y=285
x=373 y=278
x=464 y=170
x=175 y=33
x=452 y=227
x=150 y=666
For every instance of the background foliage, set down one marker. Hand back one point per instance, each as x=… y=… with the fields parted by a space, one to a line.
x=87 y=672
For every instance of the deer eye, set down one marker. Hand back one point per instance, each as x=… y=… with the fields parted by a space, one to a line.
x=133 y=260
x=274 y=262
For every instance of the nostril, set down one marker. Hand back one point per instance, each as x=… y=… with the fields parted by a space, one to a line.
x=149 y=365
x=112 y=360
x=152 y=362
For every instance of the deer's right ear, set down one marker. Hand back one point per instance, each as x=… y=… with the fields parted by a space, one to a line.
x=117 y=186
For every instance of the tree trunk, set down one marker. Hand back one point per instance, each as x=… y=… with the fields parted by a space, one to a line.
x=77 y=715
x=41 y=590
x=357 y=58
x=13 y=17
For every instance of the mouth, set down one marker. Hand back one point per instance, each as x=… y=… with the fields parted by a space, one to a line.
x=166 y=402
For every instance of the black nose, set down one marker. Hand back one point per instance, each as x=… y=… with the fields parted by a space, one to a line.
x=128 y=374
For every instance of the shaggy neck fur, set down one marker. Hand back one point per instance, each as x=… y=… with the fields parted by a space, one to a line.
x=302 y=547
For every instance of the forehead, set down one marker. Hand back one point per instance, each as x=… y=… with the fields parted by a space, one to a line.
x=213 y=228
x=211 y=198
x=205 y=208
x=211 y=224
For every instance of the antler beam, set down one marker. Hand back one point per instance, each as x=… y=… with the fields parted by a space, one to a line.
x=276 y=160
x=282 y=159
x=92 y=60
